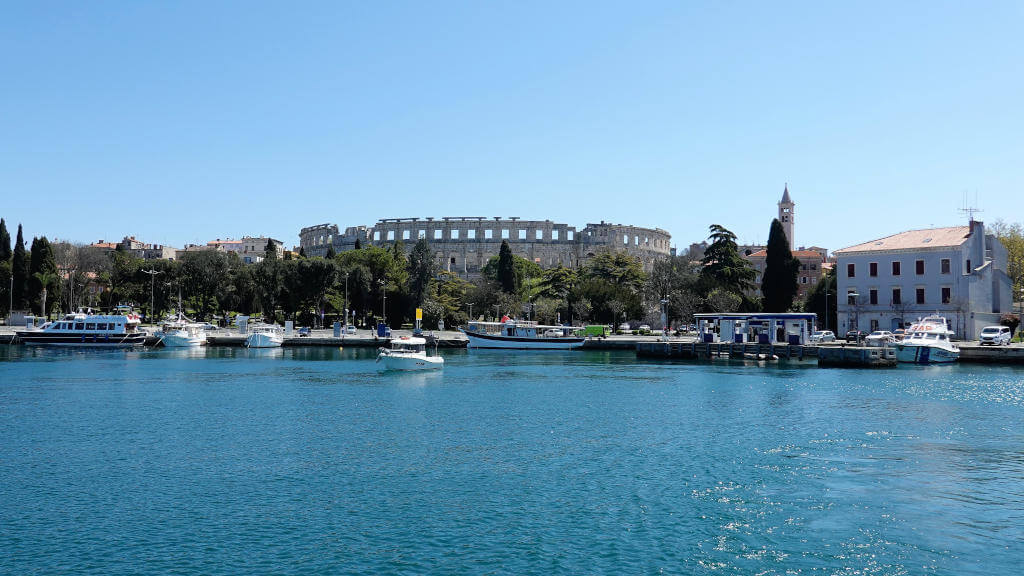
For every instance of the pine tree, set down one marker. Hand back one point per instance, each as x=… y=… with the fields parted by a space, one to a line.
x=422 y=269
x=779 y=283
x=359 y=244
x=19 y=270
x=270 y=252
x=330 y=253
x=507 y=269
x=302 y=252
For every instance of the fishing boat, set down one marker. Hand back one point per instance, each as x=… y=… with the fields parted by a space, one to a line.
x=180 y=332
x=264 y=336
x=927 y=341
x=408 y=353
x=521 y=335
x=89 y=330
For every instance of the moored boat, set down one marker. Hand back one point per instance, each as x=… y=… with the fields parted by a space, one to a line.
x=264 y=336
x=181 y=333
x=927 y=341
x=521 y=335
x=90 y=330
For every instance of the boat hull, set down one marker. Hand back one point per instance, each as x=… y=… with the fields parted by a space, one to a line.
x=409 y=363
x=41 y=338
x=922 y=354
x=479 y=340
x=182 y=340
x=263 y=341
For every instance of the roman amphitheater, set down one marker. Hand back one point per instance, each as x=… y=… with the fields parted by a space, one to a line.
x=464 y=244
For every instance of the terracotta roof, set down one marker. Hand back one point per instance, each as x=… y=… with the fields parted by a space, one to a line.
x=928 y=238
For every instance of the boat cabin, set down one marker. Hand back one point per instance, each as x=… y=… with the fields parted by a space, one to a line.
x=83 y=324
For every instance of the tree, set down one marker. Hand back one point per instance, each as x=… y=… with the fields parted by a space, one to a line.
x=5 y=268
x=302 y=252
x=1011 y=236
x=506 y=269
x=721 y=300
x=723 y=267
x=19 y=271
x=1012 y=321
x=42 y=274
x=422 y=270
x=779 y=283
x=823 y=301
x=5 y=242
x=359 y=244
x=330 y=253
x=270 y=251
x=202 y=274
x=673 y=278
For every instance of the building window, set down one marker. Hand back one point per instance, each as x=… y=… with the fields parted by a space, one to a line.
x=405 y=234
x=538 y=234
x=522 y=234
x=391 y=235
x=873 y=297
x=873 y=269
x=814 y=266
x=488 y=234
x=897 y=297
x=874 y=325
x=625 y=239
x=944 y=266
x=422 y=235
x=471 y=234
x=803 y=279
x=946 y=294
x=376 y=236
x=919 y=267
x=554 y=234
x=437 y=234
x=969 y=266
x=455 y=234
x=851 y=270
x=636 y=240
x=504 y=233
x=569 y=234
x=896 y=268
x=920 y=295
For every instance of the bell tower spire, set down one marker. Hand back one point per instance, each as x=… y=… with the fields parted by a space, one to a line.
x=786 y=215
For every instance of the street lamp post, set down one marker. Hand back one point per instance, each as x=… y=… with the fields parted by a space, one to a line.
x=346 y=305
x=152 y=285
x=470 y=304
x=664 y=319
x=384 y=301
x=826 y=310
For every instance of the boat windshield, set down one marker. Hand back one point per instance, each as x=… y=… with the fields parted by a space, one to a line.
x=408 y=347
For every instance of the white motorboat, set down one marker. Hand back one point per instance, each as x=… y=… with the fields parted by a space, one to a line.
x=927 y=341
x=408 y=353
x=264 y=336
x=180 y=332
x=521 y=335
x=89 y=330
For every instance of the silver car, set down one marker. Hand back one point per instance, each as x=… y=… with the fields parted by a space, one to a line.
x=995 y=335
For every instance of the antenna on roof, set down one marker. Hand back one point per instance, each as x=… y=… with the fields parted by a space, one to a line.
x=970 y=209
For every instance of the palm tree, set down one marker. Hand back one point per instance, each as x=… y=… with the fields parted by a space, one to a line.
x=45 y=279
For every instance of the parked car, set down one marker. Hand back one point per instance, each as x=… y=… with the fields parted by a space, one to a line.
x=995 y=335
x=624 y=327
x=880 y=338
x=823 y=336
x=855 y=335
x=351 y=329
x=304 y=332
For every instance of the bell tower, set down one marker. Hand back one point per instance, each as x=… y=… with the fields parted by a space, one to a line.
x=786 y=215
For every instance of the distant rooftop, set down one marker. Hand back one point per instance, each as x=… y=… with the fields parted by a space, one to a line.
x=928 y=238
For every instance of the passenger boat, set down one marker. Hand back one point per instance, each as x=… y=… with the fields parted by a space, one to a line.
x=264 y=336
x=180 y=332
x=928 y=342
x=521 y=335
x=91 y=330
x=408 y=353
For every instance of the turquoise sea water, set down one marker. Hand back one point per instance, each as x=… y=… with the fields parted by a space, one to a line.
x=306 y=461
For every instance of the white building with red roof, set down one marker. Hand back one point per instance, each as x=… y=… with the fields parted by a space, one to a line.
x=958 y=272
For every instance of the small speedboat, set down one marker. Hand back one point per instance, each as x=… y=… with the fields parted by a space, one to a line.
x=180 y=332
x=408 y=353
x=928 y=342
x=264 y=336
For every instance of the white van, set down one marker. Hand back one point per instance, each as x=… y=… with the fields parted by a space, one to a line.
x=995 y=335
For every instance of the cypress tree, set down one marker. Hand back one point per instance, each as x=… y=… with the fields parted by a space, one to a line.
x=779 y=285
x=270 y=252
x=358 y=244
x=506 y=269
x=330 y=253
x=42 y=273
x=302 y=252
x=19 y=270
x=5 y=242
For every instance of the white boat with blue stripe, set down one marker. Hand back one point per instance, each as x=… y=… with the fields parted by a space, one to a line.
x=521 y=335
x=928 y=341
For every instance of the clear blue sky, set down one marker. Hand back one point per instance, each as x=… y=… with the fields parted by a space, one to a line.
x=188 y=121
